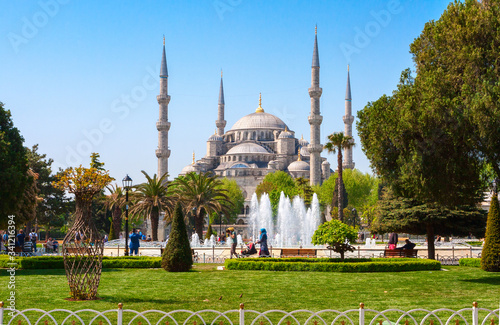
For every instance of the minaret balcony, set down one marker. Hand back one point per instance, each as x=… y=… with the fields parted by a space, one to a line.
x=315 y=92
x=348 y=119
x=315 y=119
x=315 y=148
x=161 y=153
x=162 y=126
x=162 y=99
x=220 y=123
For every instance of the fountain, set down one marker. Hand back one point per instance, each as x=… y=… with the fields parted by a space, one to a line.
x=295 y=225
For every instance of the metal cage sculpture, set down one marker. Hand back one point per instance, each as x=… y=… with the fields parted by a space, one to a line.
x=83 y=246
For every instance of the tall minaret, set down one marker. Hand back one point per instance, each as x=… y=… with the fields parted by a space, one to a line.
x=220 y=123
x=348 y=119
x=315 y=119
x=163 y=125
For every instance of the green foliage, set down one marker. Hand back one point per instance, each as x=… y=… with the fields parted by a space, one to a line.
x=275 y=183
x=490 y=256
x=13 y=169
x=177 y=255
x=361 y=189
x=232 y=208
x=53 y=209
x=57 y=262
x=472 y=262
x=111 y=234
x=150 y=199
x=337 y=235
x=210 y=232
x=334 y=265
x=95 y=163
x=202 y=194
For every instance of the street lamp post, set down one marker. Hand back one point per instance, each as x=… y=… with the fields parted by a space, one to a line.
x=127 y=183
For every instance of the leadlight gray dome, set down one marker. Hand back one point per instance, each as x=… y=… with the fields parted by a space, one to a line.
x=286 y=135
x=298 y=166
x=259 y=121
x=247 y=148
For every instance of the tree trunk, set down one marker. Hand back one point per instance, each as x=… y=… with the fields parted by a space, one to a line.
x=117 y=222
x=198 y=222
x=342 y=255
x=430 y=242
x=155 y=217
x=340 y=189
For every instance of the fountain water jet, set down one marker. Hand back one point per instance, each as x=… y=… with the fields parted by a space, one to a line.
x=295 y=225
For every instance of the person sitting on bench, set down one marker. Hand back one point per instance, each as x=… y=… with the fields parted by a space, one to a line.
x=408 y=245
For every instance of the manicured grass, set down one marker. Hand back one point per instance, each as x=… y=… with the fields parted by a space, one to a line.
x=143 y=289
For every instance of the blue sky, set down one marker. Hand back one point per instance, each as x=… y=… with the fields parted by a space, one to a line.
x=82 y=76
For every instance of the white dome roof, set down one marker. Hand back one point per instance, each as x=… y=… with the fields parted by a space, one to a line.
x=195 y=167
x=259 y=121
x=246 y=148
x=303 y=142
x=298 y=166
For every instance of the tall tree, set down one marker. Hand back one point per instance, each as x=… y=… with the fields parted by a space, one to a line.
x=490 y=256
x=14 y=177
x=203 y=195
x=234 y=207
x=429 y=141
x=336 y=143
x=115 y=202
x=54 y=207
x=150 y=199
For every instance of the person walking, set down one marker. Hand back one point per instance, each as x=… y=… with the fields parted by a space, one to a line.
x=393 y=240
x=264 y=251
x=134 y=242
x=231 y=234
x=33 y=239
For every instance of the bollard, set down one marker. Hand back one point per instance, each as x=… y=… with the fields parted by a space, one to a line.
x=471 y=252
x=203 y=258
x=120 y=314
x=1 y=312
x=213 y=254
x=475 y=318
x=242 y=314
x=118 y=251
x=361 y=314
x=453 y=251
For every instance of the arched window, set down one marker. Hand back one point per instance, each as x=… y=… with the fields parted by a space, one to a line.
x=247 y=210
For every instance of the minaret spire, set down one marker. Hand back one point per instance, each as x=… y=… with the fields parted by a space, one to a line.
x=163 y=125
x=315 y=119
x=220 y=122
x=348 y=120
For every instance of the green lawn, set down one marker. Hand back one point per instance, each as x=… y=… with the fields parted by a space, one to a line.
x=143 y=289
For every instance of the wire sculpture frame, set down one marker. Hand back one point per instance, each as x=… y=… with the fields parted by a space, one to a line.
x=82 y=249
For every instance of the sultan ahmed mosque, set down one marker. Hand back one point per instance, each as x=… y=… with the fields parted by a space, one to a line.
x=258 y=143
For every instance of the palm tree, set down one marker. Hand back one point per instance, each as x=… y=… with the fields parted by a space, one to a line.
x=202 y=195
x=337 y=141
x=150 y=199
x=115 y=202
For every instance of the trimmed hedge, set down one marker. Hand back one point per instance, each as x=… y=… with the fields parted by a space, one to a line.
x=57 y=262
x=472 y=262
x=334 y=265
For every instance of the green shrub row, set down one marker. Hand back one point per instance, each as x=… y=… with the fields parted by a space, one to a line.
x=320 y=265
x=57 y=262
x=473 y=262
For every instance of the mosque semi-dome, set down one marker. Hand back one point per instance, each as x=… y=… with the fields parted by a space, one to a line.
x=247 y=148
x=215 y=137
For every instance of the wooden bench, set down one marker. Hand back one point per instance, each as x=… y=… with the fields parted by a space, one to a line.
x=400 y=253
x=298 y=252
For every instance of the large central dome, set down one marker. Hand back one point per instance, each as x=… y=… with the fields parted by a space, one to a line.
x=259 y=121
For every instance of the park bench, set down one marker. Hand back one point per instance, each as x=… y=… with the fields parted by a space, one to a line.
x=400 y=253
x=298 y=252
